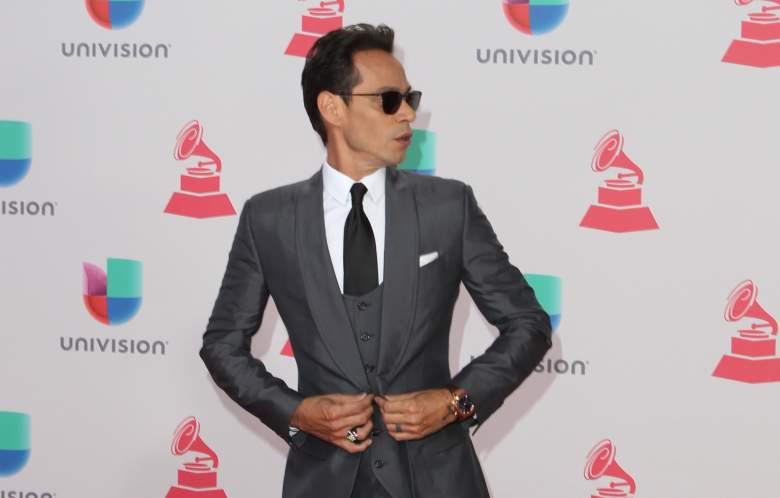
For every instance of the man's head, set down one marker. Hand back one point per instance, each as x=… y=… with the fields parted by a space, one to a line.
x=358 y=128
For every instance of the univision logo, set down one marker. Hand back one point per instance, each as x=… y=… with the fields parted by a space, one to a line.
x=15 y=160
x=14 y=442
x=113 y=15
x=113 y=297
x=548 y=293
x=536 y=17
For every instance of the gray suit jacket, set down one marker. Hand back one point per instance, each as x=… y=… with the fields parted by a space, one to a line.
x=280 y=251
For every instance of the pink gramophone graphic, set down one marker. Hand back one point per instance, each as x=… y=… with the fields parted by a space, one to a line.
x=753 y=356
x=601 y=463
x=759 y=45
x=317 y=21
x=198 y=478
x=199 y=196
x=619 y=207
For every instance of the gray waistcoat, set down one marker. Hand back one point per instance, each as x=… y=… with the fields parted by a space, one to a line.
x=385 y=460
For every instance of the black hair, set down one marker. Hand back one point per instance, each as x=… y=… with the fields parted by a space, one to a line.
x=330 y=66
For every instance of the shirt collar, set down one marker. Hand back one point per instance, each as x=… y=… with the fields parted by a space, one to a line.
x=337 y=184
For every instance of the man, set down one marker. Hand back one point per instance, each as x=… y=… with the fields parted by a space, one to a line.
x=364 y=263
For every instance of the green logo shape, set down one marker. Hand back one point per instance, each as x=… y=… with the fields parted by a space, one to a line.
x=14 y=442
x=548 y=293
x=124 y=277
x=421 y=156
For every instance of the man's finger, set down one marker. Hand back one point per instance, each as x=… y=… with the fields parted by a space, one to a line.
x=400 y=406
x=337 y=411
x=357 y=420
x=364 y=431
x=401 y=397
x=404 y=419
x=351 y=447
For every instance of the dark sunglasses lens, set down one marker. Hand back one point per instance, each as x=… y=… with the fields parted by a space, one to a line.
x=391 y=101
x=413 y=99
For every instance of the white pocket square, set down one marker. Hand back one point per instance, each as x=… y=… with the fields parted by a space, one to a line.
x=428 y=258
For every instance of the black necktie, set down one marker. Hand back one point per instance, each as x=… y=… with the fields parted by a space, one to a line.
x=360 y=269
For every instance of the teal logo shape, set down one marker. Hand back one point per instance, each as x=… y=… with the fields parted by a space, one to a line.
x=14 y=442
x=15 y=151
x=421 y=156
x=548 y=293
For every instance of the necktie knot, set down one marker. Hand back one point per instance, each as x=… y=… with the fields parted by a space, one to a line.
x=358 y=191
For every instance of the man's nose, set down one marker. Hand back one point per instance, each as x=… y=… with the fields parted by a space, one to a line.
x=405 y=112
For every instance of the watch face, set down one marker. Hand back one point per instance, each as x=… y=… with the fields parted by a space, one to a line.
x=465 y=404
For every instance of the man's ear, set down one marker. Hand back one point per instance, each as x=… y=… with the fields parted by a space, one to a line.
x=331 y=108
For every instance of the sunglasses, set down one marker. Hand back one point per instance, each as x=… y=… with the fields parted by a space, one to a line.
x=391 y=99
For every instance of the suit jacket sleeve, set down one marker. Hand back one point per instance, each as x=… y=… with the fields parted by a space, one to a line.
x=236 y=317
x=506 y=301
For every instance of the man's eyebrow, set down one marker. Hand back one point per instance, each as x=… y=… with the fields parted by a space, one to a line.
x=395 y=88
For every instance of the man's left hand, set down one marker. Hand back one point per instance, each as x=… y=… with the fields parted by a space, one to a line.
x=416 y=414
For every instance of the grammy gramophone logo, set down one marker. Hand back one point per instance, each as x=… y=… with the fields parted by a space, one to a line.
x=759 y=45
x=753 y=356
x=317 y=21
x=198 y=477
x=619 y=207
x=199 y=195
x=602 y=467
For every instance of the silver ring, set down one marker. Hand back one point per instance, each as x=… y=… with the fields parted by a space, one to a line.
x=398 y=428
x=352 y=435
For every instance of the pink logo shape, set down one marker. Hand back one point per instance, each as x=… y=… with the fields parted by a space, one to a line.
x=315 y=23
x=198 y=478
x=753 y=355
x=199 y=196
x=619 y=207
x=601 y=463
x=287 y=349
x=759 y=45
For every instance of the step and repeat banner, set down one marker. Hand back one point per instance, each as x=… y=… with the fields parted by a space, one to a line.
x=624 y=151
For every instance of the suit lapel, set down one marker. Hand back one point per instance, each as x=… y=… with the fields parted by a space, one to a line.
x=322 y=289
x=400 y=273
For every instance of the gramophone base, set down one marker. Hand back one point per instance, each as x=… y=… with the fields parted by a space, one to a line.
x=200 y=206
x=300 y=44
x=750 y=370
x=177 y=492
x=752 y=53
x=611 y=219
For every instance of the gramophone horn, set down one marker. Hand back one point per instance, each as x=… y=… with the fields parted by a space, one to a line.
x=186 y=438
x=742 y=302
x=601 y=462
x=609 y=153
x=189 y=142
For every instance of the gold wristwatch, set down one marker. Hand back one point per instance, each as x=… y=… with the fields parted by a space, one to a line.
x=461 y=405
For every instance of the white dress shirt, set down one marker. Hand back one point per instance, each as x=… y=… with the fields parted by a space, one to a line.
x=337 y=202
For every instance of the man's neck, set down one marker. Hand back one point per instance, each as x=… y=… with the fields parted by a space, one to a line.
x=355 y=169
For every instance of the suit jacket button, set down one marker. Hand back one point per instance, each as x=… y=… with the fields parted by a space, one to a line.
x=366 y=337
x=370 y=368
x=379 y=464
x=363 y=306
x=376 y=433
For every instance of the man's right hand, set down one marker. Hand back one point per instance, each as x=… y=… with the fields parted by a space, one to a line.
x=330 y=416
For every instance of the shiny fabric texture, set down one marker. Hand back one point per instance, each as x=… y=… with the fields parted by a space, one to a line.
x=279 y=250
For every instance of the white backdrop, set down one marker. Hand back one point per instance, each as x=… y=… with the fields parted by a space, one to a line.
x=642 y=310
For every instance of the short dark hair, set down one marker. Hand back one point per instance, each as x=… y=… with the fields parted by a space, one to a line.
x=329 y=65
